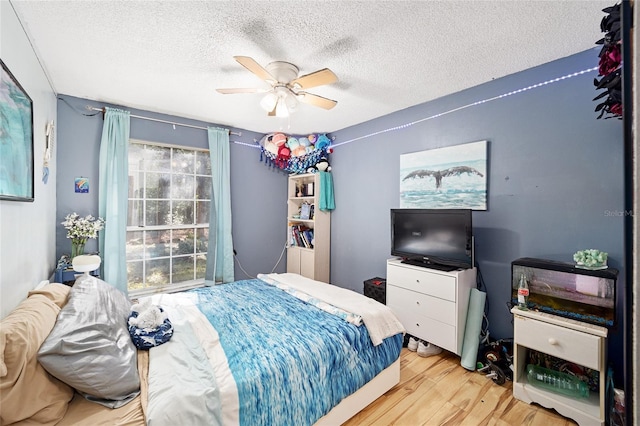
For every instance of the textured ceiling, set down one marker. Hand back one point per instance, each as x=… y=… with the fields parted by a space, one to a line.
x=170 y=56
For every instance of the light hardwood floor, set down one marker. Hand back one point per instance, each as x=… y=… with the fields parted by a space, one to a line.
x=438 y=391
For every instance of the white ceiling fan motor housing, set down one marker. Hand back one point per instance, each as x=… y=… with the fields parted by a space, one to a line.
x=284 y=72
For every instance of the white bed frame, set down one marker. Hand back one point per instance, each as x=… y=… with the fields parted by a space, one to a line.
x=354 y=403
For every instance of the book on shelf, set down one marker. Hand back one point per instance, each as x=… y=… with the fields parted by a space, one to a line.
x=305 y=242
x=309 y=235
x=300 y=236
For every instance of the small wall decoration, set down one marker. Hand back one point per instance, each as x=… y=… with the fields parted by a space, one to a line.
x=16 y=140
x=454 y=177
x=48 y=146
x=82 y=185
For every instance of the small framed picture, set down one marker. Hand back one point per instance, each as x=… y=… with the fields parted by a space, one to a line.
x=305 y=211
x=81 y=185
x=309 y=189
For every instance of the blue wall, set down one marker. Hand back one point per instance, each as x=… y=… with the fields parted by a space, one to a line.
x=258 y=192
x=555 y=180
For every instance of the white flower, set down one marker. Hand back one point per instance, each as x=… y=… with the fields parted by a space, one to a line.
x=80 y=228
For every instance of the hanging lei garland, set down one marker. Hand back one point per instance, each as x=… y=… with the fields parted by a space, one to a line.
x=291 y=154
x=610 y=65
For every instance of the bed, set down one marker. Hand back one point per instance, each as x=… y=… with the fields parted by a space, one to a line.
x=280 y=349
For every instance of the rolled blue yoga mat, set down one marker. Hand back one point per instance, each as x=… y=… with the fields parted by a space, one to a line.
x=471 y=340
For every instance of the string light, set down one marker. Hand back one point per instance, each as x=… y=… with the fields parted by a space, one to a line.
x=504 y=95
x=252 y=145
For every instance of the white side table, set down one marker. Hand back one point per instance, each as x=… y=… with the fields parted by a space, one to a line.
x=575 y=341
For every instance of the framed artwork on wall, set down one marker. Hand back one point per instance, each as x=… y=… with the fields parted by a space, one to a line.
x=16 y=140
x=81 y=185
x=454 y=177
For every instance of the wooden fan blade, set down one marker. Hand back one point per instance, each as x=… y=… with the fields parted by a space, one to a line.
x=241 y=90
x=317 y=78
x=256 y=68
x=319 y=101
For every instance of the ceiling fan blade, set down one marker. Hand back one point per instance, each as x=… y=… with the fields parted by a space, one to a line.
x=241 y=90
x=319 y=101
x=317 y=78
x=256 y=68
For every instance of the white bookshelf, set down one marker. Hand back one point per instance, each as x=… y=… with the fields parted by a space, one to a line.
x=310 y=259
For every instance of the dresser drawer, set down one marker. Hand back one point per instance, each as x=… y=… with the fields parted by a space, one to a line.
x=575 y=346
x=432 y=283
x=414 y=303
x=436 y=332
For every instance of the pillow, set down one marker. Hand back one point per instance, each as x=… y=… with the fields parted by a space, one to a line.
x=58 y=293
x=27 y=391
x=89 y=348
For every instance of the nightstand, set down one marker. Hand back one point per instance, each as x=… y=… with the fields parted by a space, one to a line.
x=68 y=275
x=575 y=341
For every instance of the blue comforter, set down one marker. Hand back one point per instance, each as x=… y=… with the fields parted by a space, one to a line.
x=291 y=361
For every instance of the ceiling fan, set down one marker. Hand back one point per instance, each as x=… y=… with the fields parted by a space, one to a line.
x=287 y=88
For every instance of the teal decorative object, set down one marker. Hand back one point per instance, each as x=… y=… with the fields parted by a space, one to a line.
x=591 y=259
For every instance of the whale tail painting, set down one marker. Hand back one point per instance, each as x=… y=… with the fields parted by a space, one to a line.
x=439 y=174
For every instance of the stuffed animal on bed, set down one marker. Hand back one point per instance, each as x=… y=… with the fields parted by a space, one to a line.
x=149 y=326
x=149 y=316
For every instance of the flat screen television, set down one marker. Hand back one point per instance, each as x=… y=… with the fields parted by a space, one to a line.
x=434 y=238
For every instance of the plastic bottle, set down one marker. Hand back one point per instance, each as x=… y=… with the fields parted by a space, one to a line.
x=523 y=293
x=557 y=381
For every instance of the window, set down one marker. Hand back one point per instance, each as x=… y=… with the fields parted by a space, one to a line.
x=168 y=216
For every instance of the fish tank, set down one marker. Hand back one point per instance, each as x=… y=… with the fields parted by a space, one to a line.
x=561 y=289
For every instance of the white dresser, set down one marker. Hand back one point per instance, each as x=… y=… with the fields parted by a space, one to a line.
x=431 y=304
x=574 y=341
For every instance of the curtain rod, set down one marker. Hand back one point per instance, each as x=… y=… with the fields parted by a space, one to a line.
x=162 y=121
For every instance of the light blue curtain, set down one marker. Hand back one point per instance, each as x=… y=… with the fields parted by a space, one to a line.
x=113 y=196
x=220 y=251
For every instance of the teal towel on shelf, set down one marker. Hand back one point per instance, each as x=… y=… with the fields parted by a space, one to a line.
x=326 y=192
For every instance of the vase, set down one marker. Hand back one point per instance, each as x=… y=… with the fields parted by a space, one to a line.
x=77 y=247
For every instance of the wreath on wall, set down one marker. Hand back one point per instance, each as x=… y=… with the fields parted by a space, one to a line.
x=610 y=65
x=294 y=154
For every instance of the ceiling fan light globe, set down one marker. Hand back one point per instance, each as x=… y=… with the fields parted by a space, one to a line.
x=291 y=102
x=268 y=103
x=281 y=109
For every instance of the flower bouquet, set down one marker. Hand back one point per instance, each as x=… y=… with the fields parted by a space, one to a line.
x=79 y=229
